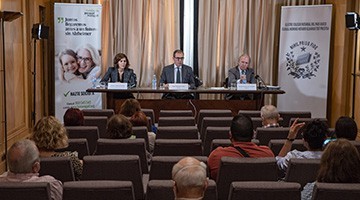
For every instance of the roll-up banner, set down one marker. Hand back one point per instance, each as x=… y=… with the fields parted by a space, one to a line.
x=304 y=58
x=77 y=36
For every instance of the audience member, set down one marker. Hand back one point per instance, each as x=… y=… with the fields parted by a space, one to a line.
x=119 y=127
x=177 y=73
x=50 y=135
x=339 y=164
x=241 y=133
x=270 y=116
x=74 y=117
x=129 y=107
x=190 y=181
x=243 y=73
x=24 y=166
x=121 y=72
x=346 y=127
x=314 y=135
x=139 y=119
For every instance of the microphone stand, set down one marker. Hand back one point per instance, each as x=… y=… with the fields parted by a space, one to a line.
x=261 y=82
x=354 y=78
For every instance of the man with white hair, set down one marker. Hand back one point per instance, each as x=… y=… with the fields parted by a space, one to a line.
x=24 y=166
x=270 y=116
x=190 y=181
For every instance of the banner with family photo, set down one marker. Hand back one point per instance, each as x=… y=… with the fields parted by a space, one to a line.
x=304 y=58
x=77 y=56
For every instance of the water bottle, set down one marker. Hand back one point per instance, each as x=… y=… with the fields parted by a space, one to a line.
x=93 y=81
x=153 y=82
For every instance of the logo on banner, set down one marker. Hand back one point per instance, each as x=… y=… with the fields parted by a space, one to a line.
x=303 y=61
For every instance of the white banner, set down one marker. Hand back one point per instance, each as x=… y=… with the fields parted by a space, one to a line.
x=77 y=56
x=304 y=58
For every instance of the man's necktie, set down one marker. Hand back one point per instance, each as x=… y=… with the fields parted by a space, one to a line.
x=178 y=80
x=243 y=72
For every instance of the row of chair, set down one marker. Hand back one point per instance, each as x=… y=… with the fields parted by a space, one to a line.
x=163 y=190
x=128 y=168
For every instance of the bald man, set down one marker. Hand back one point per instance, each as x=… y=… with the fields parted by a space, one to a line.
x=189 y=176
x=24 y=166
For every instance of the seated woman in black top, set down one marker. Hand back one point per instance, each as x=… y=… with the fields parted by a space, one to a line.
x=121 y=73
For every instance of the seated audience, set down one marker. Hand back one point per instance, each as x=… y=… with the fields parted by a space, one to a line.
x=24 y=166
x=49 y=134
x=139 y=119
x=314 y=135
x=119 y=127
x=339 y=164
x=190 y=181
x=241 y=133
x=346 y=127
x=270 y=116
x=74 y=117
x=130 y=107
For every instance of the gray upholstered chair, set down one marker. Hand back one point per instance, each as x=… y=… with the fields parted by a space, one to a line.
x=98 y=189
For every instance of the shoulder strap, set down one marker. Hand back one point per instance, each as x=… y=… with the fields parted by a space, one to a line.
x=242 y=151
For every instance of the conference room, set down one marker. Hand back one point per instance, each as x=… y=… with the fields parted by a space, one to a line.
x=302 y=56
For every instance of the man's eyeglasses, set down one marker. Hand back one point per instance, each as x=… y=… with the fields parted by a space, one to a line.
x=179 y=58
x=85 y=59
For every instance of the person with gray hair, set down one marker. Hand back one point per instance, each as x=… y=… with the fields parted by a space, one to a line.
x=270 y=116
x=190 y=180
x=24 y=166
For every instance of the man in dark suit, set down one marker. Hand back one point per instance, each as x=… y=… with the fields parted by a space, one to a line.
x=178 y=73
x=243 y=73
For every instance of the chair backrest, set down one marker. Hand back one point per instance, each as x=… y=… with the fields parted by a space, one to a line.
x=250 y=113
x=178 y=147
x=161 y=166
x=212 y=133
x=334 y=191
x=257 y=122
x=91 y=133
x=214 y=122
x=306 y=120
x=150 y=113
x=176 y=121
x=99 y=121
x=124 y=147
x=254 y=190
x=287 y=115
x=142 y=132
x=25 y=191
x=219 y=143
x=163 y=190
x=176 y=113
x=98 y=189
x=211 y=113
x=276 y=144
x=244 y=169
x=302 y=171
x=59 y=167
x=264 y=135
x=98 y=112
x=115 y=167
x=80 y=145
x=177 y=132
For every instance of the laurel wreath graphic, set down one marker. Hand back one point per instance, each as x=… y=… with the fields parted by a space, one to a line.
x=302 y=71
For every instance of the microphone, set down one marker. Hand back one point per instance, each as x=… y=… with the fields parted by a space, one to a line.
x=261 y=82
x=198 y=81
